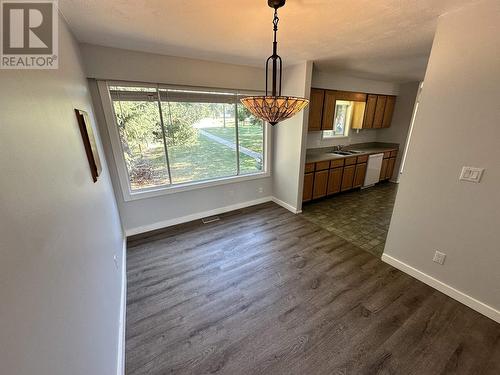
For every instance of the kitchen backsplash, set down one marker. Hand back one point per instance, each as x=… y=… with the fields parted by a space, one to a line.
x=314 y=139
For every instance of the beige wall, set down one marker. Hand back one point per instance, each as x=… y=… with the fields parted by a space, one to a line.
x=315 y=140
x=59 y=285
x=157 y=212
x=342 y=81
x=457 y=125
x=119 y=64
x=403 y=112
x=289 y=141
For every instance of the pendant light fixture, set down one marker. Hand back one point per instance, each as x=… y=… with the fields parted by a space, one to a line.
x=275 y=107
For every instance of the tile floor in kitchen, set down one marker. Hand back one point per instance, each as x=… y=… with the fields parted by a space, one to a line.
x=361 y=217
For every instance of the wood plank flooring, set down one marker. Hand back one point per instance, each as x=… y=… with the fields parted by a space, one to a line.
x=263 y=291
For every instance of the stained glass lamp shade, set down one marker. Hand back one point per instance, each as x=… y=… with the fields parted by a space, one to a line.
x=275 y=107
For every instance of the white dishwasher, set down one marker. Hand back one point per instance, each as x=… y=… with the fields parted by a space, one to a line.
x=373 y=170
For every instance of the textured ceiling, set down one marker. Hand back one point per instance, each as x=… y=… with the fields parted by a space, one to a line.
x=376 y=39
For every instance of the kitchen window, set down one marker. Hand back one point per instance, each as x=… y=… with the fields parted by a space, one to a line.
x=341 y=120
x=171 y=138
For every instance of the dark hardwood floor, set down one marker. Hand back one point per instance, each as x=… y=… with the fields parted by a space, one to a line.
x=263 y=291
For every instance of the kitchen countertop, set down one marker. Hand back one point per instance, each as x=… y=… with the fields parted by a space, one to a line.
x=325 y=153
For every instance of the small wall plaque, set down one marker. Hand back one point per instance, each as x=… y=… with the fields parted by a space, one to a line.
x=89 y=143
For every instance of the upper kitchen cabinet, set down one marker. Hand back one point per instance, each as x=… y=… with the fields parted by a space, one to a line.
x=379 y=111
x=323 y=106
x=328 y=110
x=371 y=103
x=350 y=96
x=365 y=111
x=316 y=109
x=341 y=107
x=388 y=111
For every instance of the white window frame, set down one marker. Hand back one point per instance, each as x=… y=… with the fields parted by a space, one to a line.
x=325 y=134
x=119 y=158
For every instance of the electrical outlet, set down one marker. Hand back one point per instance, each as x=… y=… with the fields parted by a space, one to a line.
x=439 y=257
x=115 y=259
x=260 y=190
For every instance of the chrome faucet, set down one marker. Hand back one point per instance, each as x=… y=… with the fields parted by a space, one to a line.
x=338 y=147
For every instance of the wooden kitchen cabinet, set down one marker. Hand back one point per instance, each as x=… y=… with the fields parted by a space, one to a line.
x=350 y=96
x=328 y=110
x=320 y=184
x=307 y=192
x=371 y=103
x=335 y=163
x=362 y=159
x=378 y=109
x=334 y=181
x=390 y=168
x=322 y=165
x=383 y=169
x=350 y=160
x=327 y=177
x=388 y=164
x=330 y=105
x=330 y=177
x=316 y=109
x=348 y=177
x=388 y=111
x=378 y=117
x=359 y=175
x=309 y=168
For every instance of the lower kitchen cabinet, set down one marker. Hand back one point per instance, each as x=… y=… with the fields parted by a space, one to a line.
x=320 y=184
x=390 y=167
x=334 y=181
x=348 y=177
x=383 y=169
x=307 y=192
x=327 y=177
x=359 y=175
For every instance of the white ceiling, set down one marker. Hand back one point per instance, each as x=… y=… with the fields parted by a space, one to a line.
x=376 y=39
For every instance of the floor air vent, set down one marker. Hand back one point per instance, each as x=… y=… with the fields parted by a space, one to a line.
x=210 y=219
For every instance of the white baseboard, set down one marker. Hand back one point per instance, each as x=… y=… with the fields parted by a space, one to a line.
x=467 y=300
x=195 y=216
x=123 y=313
x=289 y=207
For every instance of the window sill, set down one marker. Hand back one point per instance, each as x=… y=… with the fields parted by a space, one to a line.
x=166 y=190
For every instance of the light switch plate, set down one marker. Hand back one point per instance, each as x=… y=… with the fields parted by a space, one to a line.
x=471 y=174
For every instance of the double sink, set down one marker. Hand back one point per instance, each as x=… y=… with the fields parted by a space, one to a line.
x=347 y=152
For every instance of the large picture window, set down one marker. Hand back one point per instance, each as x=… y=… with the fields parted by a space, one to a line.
x=175 y=136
